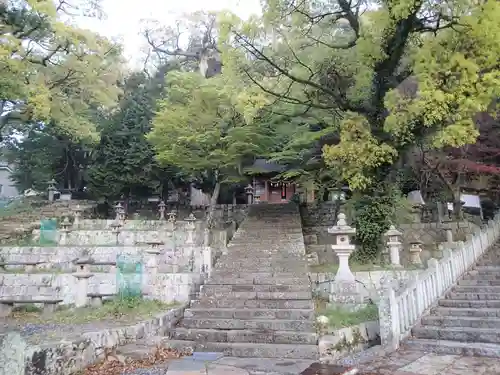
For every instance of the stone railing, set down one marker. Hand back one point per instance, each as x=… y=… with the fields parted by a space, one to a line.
x=400 y=310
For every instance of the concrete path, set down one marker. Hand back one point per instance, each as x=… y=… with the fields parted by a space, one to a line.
x=419 y=363
x=398 y=363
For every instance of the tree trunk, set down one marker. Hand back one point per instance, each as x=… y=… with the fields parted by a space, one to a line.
x=457 y=206
x=213 y=203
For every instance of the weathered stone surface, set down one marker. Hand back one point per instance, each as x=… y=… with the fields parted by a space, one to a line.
x=12 y=353
x=246 y=308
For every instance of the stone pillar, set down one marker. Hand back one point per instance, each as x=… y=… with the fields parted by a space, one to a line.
x=52 y=190
x=415 y=250
x=161 y=210
x=394 y=245
x=77 y=214
x=206 y=253
x=343 y=248
x=152 y=266
x=447 y=227
x=249 y=192
x=388 y=315
x=116 y=229
x=82 y=275
x=190 y=229
x=65 y=230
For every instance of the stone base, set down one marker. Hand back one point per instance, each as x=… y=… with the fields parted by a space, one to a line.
x=347 y=293
x=5 y=310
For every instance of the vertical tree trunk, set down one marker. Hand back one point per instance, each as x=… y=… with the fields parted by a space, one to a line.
x=457 y=206
x=213 y=203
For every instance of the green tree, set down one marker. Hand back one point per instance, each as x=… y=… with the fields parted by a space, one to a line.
x=206 y=128
x=124 y=162
x=391 y=73
x=52 y=71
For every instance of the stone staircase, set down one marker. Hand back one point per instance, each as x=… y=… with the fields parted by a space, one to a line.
x=467 y=320
x=257 y=302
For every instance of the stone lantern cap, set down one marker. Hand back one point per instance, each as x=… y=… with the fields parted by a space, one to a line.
x=249 y=189
x=342 y=228
x=118 y=206
x=393 y=232
x=78 y=208
x=162 y=204
x=191 y=218
x=172 y=216
x=52 y=184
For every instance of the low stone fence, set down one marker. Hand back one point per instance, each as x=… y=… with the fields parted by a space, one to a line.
x=168 y=288
x=337 y=343
x=69 y=357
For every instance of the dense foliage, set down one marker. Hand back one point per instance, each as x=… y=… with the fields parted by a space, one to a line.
x=383 y=97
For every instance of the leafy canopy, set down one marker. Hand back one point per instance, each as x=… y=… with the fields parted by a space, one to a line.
x=390 y=74
x=206 y=126
x=53 y=71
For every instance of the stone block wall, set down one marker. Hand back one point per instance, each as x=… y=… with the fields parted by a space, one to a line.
x=179 y=287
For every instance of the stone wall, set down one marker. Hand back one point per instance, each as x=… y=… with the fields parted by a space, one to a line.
x=167 y=287
x=348 y=340
x=68 y=357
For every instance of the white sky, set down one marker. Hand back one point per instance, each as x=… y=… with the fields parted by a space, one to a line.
x=124 y=17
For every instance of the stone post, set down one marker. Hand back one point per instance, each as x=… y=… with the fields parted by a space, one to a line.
x=415 y=250
x=394 y=245
x=190 y=229
x=446 y=226
x=116 y=229
x=249 y=193
x=77 y=214
x=65 y=230
x=206 y=253
x=82 y=275
x=152 y=266
x=343 y=248
x=161 y=210
x=52 y=190
x=388 y=315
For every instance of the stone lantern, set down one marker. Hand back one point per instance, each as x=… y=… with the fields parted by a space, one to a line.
x=343 y=248
x=161 y=210
x=118 y=210
x=172 y=217
x=417 y=202
x=52 y=189
x=65 y=229
x=415 y=250
x=77 y=214
x=82 y=276
x=394 y=245
x=249 y=192
x=446 y=225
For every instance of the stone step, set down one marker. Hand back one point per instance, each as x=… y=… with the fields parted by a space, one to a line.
x=253 y=304
x=464 y=334
x=254 y=275
x=474 y=275
x=474 y=296
x=135 y=350
x=479 y=349
x=254 y=269
x=461 y=321
x=258 y=295
x=269 y=325
x=265 y=337
x=223 y=289
x=479 y=282
x=476 y=312
x=230 y=280
x=481 y=270
x=304 y=314
x=476 y=289
x=250 y=350
x=473 y=304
